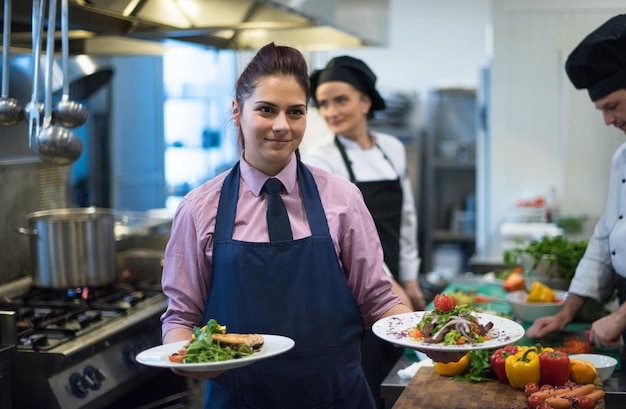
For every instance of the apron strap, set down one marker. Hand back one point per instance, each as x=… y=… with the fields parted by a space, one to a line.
x=312 y=202
x=225 y=223
x=348 y=162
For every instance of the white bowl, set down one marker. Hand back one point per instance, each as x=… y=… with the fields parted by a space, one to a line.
x=530 y=311
x=605 y=365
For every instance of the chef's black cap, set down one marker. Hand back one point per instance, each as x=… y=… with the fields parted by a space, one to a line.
x=353 y=71
x=598 y=63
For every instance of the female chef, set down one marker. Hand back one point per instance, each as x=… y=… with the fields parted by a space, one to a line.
x=346 y=96
x=321 y=287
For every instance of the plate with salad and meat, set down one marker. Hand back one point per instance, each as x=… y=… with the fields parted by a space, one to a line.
x=211 y=348
x=448 y=327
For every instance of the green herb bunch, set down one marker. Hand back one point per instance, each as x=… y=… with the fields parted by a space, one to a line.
x=565 y=253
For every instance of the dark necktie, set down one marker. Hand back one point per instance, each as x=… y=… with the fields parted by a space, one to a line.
x=277 y=219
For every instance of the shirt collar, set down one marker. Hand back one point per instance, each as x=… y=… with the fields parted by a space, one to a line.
x=352 y=144
x=255 y=179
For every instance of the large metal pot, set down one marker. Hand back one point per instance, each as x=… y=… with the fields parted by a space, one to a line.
x=72 y=247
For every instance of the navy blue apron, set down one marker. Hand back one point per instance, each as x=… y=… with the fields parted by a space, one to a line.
x=292 y=288
x=383 y=199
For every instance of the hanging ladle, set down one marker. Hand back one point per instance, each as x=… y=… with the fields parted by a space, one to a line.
x=34 y=110
x=56 y=144
x=70 y=114
x=11 y=113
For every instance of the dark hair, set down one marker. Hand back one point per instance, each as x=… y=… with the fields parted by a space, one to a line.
x=272 y=60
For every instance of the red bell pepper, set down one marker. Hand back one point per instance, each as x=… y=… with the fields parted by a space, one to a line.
x=497 y=361
x=554 y=367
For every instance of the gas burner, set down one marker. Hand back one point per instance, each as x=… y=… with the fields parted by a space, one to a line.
x=42 y=339
x=46 y=318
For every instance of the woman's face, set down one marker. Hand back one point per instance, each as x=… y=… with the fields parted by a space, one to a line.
x=343 y=107
x=272 y=121
x=613 y=108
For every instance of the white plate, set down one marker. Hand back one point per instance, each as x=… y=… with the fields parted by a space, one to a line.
x=395 y=329
x=158 y=356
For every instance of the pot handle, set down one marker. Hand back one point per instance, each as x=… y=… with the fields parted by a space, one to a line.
x=28 y=232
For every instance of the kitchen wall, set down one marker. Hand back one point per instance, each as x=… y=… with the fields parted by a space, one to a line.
x=431 y=44
x=542 y=133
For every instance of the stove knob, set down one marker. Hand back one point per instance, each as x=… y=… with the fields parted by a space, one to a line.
x=94 y=376
x=79 y=385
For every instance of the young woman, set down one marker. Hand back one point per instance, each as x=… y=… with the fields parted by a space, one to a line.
x=321 y=288
x=346 y=96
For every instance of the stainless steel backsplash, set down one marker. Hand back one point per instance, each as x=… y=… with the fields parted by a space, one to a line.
x=27 y=185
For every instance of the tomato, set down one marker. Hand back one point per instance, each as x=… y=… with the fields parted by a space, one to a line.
x=546 y=387
x=530 y=388
x=176 y=357
x=584 y=402
x=514 y=282
x=444 y=302
x=535 y=402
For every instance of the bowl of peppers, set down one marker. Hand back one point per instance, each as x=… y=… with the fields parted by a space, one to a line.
x=540 y=301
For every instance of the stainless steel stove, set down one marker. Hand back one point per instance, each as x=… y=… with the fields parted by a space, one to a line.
x=76 y=348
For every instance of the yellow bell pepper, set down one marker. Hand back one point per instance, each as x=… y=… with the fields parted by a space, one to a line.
x=582 y=372
x=523 y=367
x=452 y=368
x=540 y=292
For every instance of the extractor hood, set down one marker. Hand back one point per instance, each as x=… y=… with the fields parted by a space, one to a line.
x=146 y=26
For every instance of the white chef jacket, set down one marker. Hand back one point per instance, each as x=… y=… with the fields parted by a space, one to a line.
x=606 y=252
x=370 y=165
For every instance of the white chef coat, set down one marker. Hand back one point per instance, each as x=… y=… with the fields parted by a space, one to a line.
x=606 y=252
x=370 y=165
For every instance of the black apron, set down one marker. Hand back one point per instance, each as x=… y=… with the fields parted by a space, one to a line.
x=620 y=283
x=292 y=288
x=384 y=201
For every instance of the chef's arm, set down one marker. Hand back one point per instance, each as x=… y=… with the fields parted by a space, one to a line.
x=415 y=295
x=556 y=323
x=573 y=303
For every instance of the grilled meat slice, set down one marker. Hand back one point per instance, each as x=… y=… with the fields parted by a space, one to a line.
x=255 y=341
x=482 y=330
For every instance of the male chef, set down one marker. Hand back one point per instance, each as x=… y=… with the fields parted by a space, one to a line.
x=598 y=64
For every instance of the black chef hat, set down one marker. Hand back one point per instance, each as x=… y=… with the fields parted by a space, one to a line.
x=598 y=63
x=353 y=71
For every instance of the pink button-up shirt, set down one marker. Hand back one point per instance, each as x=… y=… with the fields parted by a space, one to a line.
x=188 y=256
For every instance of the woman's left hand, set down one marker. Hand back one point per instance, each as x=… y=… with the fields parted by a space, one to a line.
x=442 y=356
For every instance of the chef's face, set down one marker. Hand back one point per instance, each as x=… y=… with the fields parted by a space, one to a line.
x=343 y=107
x=272 y=121
x=613 y=108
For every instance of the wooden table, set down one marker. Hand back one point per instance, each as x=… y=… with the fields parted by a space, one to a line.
x=427 y=389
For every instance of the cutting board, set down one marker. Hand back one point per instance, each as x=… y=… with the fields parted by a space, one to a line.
x=427 y=389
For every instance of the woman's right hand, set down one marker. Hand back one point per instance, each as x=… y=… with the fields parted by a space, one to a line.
x=198 y=375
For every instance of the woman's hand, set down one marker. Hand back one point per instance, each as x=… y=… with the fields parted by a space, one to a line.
x=444 y=357
x=198 y=375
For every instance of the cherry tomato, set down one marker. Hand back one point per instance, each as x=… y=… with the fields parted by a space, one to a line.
x=444 y=302
x=535 y=402
x=175 y=357
x=530 y=388
x=584 y=402
x=546 y=387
